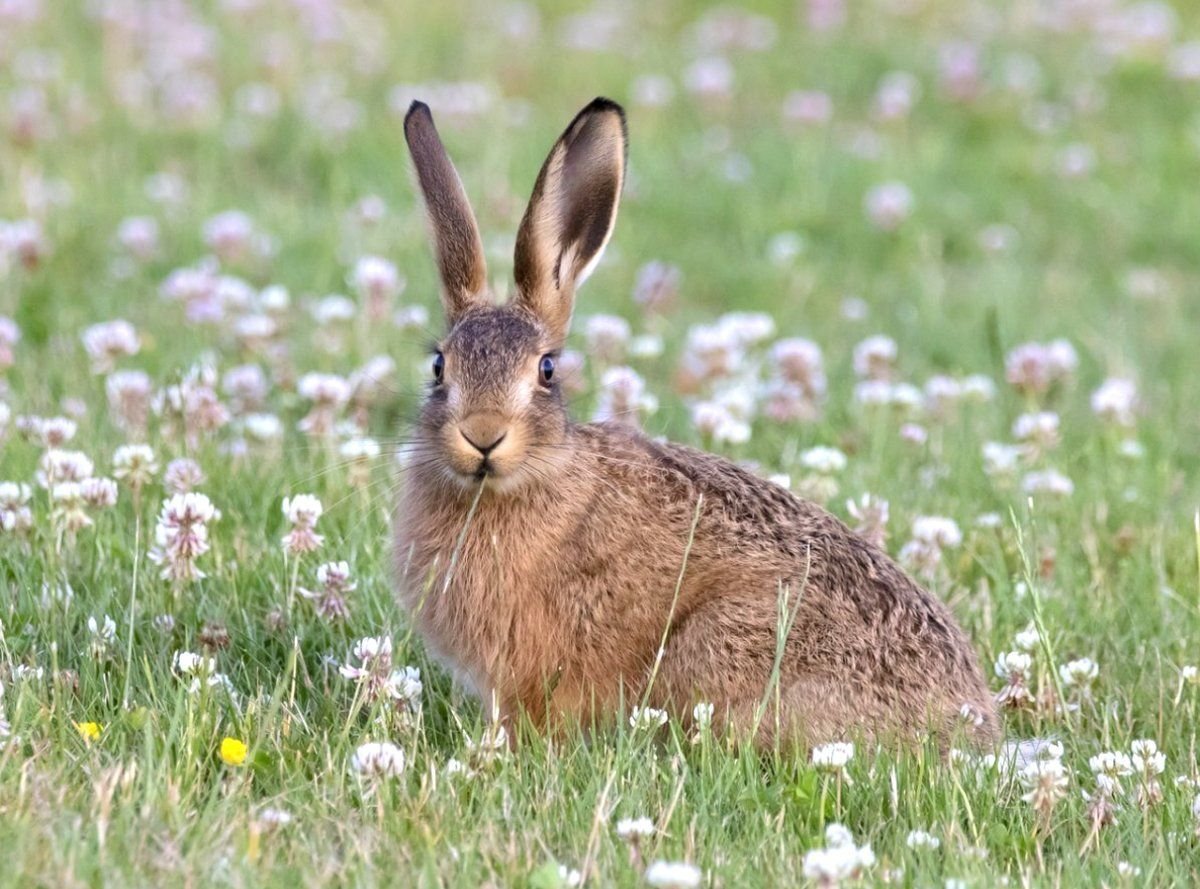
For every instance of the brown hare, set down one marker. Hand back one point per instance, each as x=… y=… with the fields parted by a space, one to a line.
x=568 y=572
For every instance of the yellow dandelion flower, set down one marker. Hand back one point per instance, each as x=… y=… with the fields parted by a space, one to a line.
x=233 y=752
x=89 y=731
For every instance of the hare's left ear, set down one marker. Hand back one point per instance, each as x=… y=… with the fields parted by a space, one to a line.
x=571 y=213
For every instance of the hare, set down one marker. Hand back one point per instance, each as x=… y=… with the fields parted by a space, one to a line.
x=566 y=573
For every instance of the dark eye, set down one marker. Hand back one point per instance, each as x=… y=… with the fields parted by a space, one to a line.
x=546 y=369
x=439 y=367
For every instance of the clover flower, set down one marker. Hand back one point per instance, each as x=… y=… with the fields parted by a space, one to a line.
x=377 y=760
x=183 y=475
x=56 y=466
x=920 y=839
x=631 y=830
x=192 y=407
x=1032 y=368
x=623 y=397
x=302 y=512
x=1045 y=782
x=105 y=343
x=181 y=536
x=15 y=514
x=647 y=719
x=1080 y=674
x=673 y=875
x=833 y=757
x=377 y=283
x=134 y=464
x=607 y=338
x=70 y=508
x=359 y=452
x=1115 y=402
x=840 y=861
x=330 y=599
x=99 y=493
x=1015 y=668
x=1148 y=764
x=129 y=394
x=888 y=205
x=104 y=636
x=328 y=394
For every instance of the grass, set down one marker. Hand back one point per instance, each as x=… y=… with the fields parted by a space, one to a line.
x=1109 y=572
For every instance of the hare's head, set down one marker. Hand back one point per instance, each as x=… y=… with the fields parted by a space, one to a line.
x=494 y=408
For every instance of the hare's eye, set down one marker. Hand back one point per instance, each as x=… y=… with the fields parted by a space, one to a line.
x=546 y=369
x=439 y=367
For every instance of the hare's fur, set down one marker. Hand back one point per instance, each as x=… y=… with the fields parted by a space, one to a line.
x=547 y=571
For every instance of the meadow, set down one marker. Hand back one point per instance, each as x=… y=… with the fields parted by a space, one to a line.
x=932 y=263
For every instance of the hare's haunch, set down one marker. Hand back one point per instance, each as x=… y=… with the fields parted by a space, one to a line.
x=545 y=562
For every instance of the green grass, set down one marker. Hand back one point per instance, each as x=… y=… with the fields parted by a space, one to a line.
x=1111 y=570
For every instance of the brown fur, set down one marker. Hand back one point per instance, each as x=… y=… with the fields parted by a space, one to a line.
x=550 y=589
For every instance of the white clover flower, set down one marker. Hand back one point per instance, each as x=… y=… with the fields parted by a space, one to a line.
x=838 y=835
x=1048 y=481
x=183 y=475
x=717 y=422
x=1028 y=638
x=920 y=839
x=271 y=818
x=702 y=715
x=647 y=718
x=103 y=631
x=875 y=358
x=188 y=663
x=1189 y=673
x=57 y=466
x=623 y=397
x=456 y=768
x=302 y=512
x=135 y=464
x=359 y=448
x=1014 y=663
x=378 y=759
x=634 y=829
x=1147 y=758
x=1041 y=428
x=888 y=205
x=109 y=341
x=1116 y=401
x=263 y=427
x=1081 y=672
x=405 y=686
x=181 y=535
x=841 y=860
x=1127 y=870
x=607 y=338
x=936 y=531
x=493 y=743
x=825 y=460
x=98 y=493
x=375 y=278
x=1000 y=460
x=1045 y=782
x=834 y=756
x=673 y=875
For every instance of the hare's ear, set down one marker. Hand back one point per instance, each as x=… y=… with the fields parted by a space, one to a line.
x=571 y=214
x=452 y=225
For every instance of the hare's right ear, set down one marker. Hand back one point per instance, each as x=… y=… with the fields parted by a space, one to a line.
x=571 y=213
x=455 y=235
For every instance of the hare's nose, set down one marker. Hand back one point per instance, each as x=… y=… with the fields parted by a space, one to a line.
x=483 y=433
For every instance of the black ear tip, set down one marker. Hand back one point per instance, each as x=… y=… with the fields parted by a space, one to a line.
x=602 y=104
x=417 y=107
